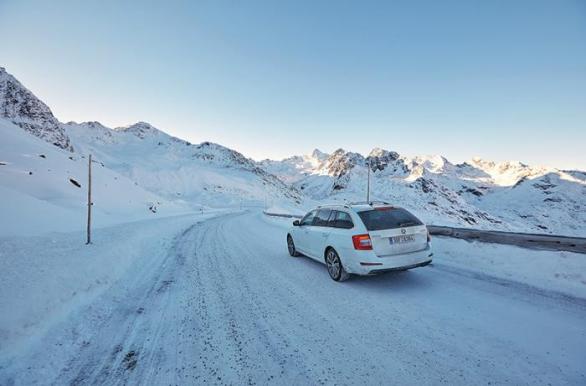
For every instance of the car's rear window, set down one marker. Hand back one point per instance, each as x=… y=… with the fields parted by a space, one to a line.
x=388 y=218
x=321 y=220
x=339 y=219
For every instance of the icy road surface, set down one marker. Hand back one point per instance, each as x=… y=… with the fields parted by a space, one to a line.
x=227 y=305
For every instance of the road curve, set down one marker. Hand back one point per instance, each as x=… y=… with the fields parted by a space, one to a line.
x=227 y=305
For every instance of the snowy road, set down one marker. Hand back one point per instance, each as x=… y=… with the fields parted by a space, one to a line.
x=227 y=305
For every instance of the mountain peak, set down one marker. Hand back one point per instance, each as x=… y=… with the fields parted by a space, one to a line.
x=136 y=125
x=377 y=152
x=318 y=154
x=140 y=129
x=90 y=124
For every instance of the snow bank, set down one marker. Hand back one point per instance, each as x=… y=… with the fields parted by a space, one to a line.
x=563 y=272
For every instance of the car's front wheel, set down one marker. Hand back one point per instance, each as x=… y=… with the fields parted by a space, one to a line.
x=335 y=267
x=291 y=246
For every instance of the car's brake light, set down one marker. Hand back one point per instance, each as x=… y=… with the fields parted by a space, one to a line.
x=362 y=242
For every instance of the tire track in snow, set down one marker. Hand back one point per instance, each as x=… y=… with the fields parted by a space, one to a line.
x=134 y=326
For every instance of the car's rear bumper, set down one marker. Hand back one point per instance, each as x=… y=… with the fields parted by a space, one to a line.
x=370 y=264
x=377 y=271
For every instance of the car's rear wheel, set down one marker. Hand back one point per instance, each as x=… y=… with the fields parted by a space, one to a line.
x=291 y=246
x=335 y=267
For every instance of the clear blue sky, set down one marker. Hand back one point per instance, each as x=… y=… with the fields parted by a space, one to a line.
x=497 y=79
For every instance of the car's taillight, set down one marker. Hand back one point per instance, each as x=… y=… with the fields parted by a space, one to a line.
x=362 y=242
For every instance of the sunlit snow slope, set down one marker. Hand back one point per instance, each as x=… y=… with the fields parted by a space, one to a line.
x=206 y=173
x=44 y=188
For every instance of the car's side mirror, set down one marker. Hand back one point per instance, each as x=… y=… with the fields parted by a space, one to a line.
x=296 y=223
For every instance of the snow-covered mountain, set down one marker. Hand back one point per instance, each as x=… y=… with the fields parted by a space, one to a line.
x=139 y=171
x=503 y=196
x=205 y=173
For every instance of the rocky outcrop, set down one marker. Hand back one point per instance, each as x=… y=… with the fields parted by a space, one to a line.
x=24 y=109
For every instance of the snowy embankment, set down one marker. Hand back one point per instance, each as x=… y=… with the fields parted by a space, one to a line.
x=560 y=272
x=43 y=278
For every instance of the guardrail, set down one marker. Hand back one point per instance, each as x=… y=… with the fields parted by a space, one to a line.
x=525 y=240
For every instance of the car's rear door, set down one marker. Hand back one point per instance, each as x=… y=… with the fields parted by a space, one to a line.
x=340 y=236
x=394 y=231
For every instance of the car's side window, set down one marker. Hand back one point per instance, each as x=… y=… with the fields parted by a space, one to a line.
x=308 y=219
x=321 y=220
x=341 y=220
x=332 y=221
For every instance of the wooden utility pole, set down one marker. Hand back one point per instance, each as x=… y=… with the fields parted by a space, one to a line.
x=368 y=184
x=89 y=200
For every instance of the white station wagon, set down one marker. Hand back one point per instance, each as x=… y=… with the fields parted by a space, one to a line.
x=361 y=238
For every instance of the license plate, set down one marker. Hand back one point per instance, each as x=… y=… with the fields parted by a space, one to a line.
x=401 y=239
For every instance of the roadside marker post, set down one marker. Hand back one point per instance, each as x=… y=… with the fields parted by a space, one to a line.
x=89 y=201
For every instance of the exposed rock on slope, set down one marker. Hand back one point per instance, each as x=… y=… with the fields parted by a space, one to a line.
x=23 y=108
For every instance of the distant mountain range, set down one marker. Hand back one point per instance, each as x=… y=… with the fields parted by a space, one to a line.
x=479 y=193
x=144 y=171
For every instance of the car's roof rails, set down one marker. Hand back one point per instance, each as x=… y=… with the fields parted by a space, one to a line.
x=371 y=203
x=345 y=205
